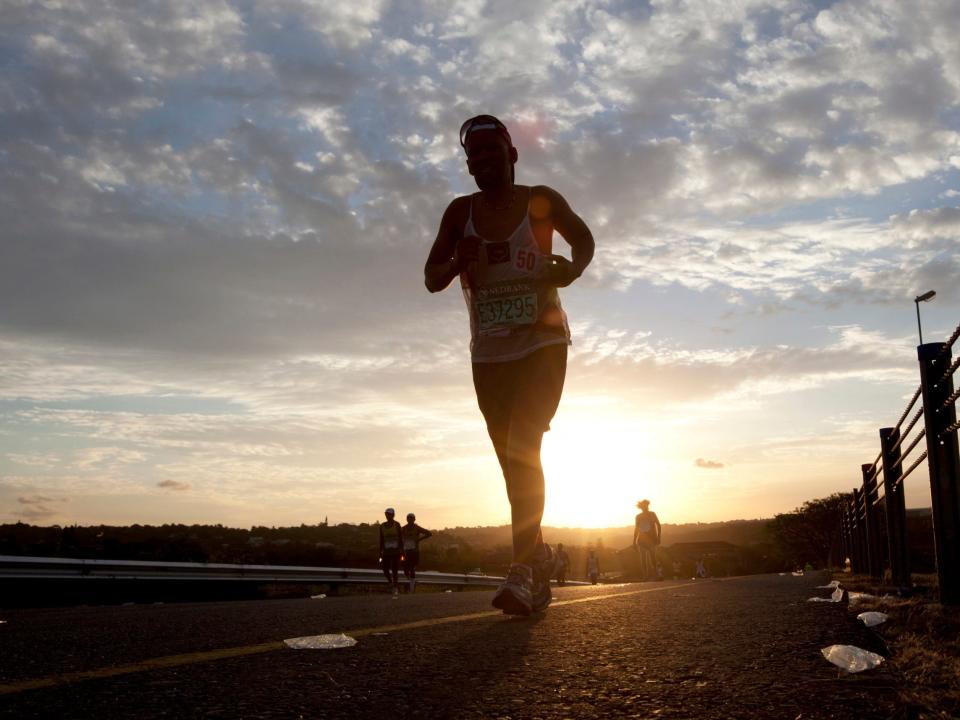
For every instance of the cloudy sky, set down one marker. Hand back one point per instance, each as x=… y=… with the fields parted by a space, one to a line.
x=215 y=217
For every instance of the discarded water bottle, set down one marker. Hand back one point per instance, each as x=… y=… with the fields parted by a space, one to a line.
x=851 y=658
x=321 y=642
x=872 y=619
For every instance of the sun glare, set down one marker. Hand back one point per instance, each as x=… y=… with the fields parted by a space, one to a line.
x=596 y=469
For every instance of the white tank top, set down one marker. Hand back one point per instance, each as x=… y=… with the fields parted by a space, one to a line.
x=511 y=314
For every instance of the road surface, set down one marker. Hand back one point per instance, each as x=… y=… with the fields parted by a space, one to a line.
x=733 y=648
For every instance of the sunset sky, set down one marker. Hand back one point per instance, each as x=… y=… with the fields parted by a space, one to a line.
x=214 y=218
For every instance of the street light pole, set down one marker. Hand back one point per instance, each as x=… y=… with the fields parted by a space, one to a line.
x=927 y=296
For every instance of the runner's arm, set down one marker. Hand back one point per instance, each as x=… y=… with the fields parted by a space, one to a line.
x=574 y=230
x=424 y=534
x=449 y=253
x=656 y=522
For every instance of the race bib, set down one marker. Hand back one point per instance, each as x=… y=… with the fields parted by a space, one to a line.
x=506 y=305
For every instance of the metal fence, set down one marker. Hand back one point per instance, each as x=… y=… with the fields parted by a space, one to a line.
x=19 y=567
x=16 y=567
x=882 y=481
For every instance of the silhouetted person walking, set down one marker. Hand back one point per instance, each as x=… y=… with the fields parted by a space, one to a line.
x=646 y=537
x=593 y=567
x=500 y=243
x=563 y=562
x=412 y=535
x=391 y=542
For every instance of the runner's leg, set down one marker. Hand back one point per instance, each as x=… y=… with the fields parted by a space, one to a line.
x=518 y=399
x=539 y=386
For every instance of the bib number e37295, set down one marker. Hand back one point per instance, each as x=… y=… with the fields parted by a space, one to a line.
x=506 y=311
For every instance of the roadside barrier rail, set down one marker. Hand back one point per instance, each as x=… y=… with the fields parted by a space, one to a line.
x=861 y=531
x=16 y=567
x=20 y=567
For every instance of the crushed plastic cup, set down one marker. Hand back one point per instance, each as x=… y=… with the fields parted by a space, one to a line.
x=835 y=597
x=851 y=658
x=872 y=619
x=856 y=597
x=797 y=573
x=321 y=642
x=829 y=586
x=321 y=596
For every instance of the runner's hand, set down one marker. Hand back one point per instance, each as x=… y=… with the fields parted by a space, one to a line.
x=466 y=252
x=559 y=272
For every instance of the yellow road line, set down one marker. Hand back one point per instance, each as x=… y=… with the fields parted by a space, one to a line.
x=170 y=661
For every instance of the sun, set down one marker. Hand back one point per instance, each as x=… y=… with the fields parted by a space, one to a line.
x=596 y=468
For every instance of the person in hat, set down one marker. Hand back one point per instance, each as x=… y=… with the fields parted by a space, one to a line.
x=412 y=535
x=391 y=544
x=646 y=538
x=499 y=242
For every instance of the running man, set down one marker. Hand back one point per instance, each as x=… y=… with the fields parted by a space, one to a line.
x=646 y=537
x=499 y=242
x=412 y=535
x=391 y=541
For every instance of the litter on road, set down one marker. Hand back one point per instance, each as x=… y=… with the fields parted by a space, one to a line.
x=835 y=597
x=829 y=586
x=851 y=658
x=321 y=642
x=856 y=597
x=872 y=619
x=321 y=596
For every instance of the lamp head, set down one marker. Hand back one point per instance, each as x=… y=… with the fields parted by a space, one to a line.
x=929 y=295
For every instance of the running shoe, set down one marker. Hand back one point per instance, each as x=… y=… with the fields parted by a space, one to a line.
x=514 y=596
x=544 y=566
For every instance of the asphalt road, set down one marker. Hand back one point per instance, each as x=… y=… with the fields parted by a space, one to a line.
x=738 y=648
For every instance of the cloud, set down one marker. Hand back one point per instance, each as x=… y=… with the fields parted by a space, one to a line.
x=708 y=464
x=38 y=507
x=232 y=204
x=173 y=485
x=34 y=500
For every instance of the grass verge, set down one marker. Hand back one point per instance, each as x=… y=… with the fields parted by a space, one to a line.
x=924 y=640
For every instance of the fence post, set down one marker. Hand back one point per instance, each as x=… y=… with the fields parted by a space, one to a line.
x=896 y=509
x=855 y=526
x=871 y=522
x=944 y=465
x=860 y=535
x=844 y=543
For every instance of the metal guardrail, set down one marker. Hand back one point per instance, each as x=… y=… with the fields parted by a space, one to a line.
x=20 y=567
x=876 y=507
x=17 y=567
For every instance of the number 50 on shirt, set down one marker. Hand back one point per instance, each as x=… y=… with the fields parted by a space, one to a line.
x=526 y=260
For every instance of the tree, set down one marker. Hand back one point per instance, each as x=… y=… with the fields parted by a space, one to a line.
x=811 y=533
